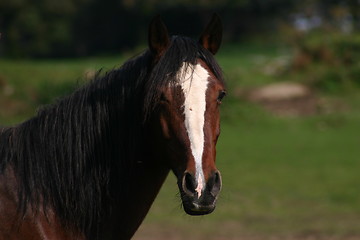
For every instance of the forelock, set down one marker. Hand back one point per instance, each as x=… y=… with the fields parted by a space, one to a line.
x=182 y=54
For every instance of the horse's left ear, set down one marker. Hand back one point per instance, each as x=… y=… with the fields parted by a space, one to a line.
x=158 y=36
x=211 y=37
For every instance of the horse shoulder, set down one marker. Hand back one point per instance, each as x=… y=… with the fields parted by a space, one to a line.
x=32 y=226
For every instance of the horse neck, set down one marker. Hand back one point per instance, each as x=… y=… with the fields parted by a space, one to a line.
x=136 y=174
x=134 y=203
x=143 y=182
x=146 y=175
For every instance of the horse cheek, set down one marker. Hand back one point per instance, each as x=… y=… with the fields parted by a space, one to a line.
x=164 y=128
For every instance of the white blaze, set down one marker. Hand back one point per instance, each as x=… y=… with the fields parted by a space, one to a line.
x=194 y=81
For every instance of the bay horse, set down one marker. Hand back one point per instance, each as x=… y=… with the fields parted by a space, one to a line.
x=90 y=165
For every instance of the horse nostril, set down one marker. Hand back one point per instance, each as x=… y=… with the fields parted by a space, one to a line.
x=188 y=184
x=216 y=187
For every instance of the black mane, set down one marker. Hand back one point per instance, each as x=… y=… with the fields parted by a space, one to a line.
x=72 y=154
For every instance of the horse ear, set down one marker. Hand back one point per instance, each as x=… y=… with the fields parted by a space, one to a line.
x=211 y=37
x=158 y=36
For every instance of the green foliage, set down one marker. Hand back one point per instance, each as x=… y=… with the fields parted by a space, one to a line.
x=65 y=28
x=328 y=61
x=330 y=80
x=46 y=91
x=39 y=29
x=354 y=74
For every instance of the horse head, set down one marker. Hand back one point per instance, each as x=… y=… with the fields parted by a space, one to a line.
x=188 y=118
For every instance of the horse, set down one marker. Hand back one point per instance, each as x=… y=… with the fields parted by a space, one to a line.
x=90 y=165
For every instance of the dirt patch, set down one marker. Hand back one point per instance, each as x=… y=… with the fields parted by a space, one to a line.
x=290 y=99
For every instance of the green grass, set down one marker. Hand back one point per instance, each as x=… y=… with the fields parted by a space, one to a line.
x=284 y=178
x=38 y=82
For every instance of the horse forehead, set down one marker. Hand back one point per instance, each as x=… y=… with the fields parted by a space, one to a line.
x=193 y=77
x=202 y=73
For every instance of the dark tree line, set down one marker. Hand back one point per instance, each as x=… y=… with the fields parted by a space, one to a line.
x=53 y=28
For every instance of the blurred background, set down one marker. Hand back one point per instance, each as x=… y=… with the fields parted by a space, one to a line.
x=289 y=151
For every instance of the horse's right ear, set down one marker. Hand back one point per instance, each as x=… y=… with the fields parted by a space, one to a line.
x=211 y=37
x=159 y=39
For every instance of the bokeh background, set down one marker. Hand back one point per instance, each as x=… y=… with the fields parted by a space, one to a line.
x=290 y=145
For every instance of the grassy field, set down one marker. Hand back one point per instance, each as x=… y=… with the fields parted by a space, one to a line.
x=284 y=178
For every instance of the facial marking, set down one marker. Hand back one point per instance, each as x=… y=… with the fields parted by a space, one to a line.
x=194 y=82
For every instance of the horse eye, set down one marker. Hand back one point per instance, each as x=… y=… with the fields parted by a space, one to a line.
x=222 y=94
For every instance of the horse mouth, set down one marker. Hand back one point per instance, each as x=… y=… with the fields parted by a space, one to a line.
x=195 y=205
x=195 y=209
x=203 y=201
